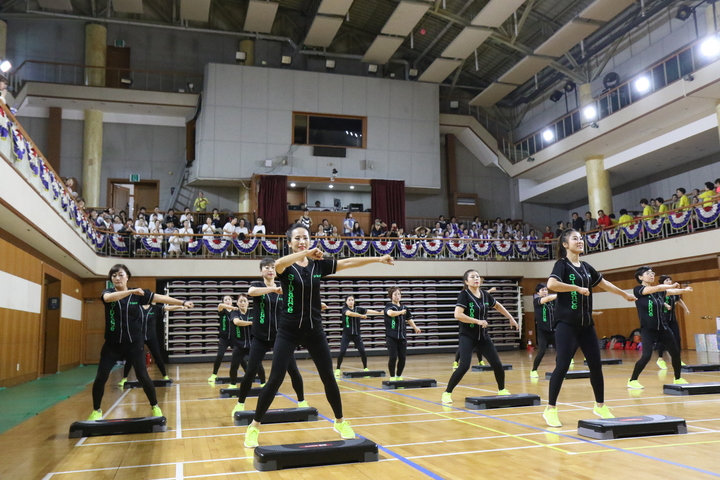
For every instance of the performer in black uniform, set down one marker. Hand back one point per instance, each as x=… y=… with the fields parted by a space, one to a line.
x=653 y=325
x=395 y=315
x=301 y=324
x=544 y=323
x=241 y=337
x=351 y=316
x=471 y=311
x=574 y=326
x=481 y=362
x=225 y=335
x=124 y=335
x=671 y=320
x=267 y=305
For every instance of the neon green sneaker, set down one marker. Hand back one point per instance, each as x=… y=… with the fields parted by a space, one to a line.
x=95 y=415
x=683 y=364
x=166 y=377
x=251 y=437
x=481 y=363
x=366 y=369
x=680 y=381
x=551 y=417
x=156 y=412
x=303 y=404
x=122 y=383
x=504 y=391
x=661 y=363
x=634 y=384
x=338 y=373
x=399 y=379
x=455 y=366
x=212 y=378
x=344 y=429
x=447 y=397
x=534 y=374
x=233 y=385
x=262 y=385
x=572 y=362
x=239 y=407
x=602 y=412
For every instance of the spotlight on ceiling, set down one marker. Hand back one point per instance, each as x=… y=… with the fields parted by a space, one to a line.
x=683 y=12
x=642 y=84
x=569 y=87
x=590 y=112
x=710 y=47
x=548 y=135
x=5 y=65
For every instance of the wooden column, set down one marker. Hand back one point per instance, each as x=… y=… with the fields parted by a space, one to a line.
x=54 y=138
x=451 y=172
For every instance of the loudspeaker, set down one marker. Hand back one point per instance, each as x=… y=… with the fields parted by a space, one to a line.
x=337 y=152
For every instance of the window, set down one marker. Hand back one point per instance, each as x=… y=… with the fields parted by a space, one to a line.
x=331 y=131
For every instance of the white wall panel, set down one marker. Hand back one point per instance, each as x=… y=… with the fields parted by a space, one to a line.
x=330 y=94
x=254 y=87
x=401 y=95
x=423 y=138
x=354 y=101
x=280 y=90
x=378 y=135
x=254 y=123
x=401 y=135
x=279 y=127
x=305 y=90
x=378 y=98
x=19 y=294
x=70 y=308
x=227 y=124
x=229 y=167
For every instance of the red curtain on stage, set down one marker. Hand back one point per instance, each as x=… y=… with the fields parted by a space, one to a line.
x=387 y=200
x=272 y=203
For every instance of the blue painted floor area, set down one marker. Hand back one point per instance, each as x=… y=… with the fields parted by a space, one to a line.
x=26 y=400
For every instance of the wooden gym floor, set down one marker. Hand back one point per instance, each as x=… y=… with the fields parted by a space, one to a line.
x=418 y=437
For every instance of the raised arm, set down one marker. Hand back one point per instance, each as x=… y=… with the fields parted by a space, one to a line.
x=610 y=288
x=222 y=306
x=396 y=313
x=115 y=296
x=661 y=288
x=360 y=261
x=547 y=298
x=171 y=301
x=173 y=308
x=373 y=312
x=241 y=323
x=679 y=291
x=284 y=262
x=557 y=286
x=506 y=314
x=356 y=314
x=257 y=291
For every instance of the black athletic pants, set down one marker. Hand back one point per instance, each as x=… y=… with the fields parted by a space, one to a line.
x=316 y=344
x=675 y=328
x=457 y=355
x=154 y=347
x=239 y=357
x=543 y=338
x=132 y=353
x=397 y=351
x=486 y=348
x=223 y=345
x=649 y=337
x=345 y=341
x=568 y=339
x=258 y=349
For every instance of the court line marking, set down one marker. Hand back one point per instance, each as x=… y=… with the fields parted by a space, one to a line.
x=117 y=402
x=178 y=417
x=179 y=471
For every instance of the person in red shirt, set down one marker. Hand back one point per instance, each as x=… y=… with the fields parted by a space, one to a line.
x=548 y=233
x=603 y=220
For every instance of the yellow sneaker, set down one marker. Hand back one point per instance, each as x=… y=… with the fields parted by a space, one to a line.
x=680 y=381
x=661 y=363
x=344 y=429
x=504 y=391
x=683 y=364
x=447 y=398
x=603 y=412
x=551 y=417
x=166 y=377
x=122 y=383
x=455 y=366
x=303 y=404
x=399 y=379
x=233 y=385
x=239 y=407
x=95 y=415
x=481 y=363
x=338 y=373
x=251 y=437
x=534 y=374
x=366 y=369
x=156 y=412
x=212 y=378
x=634 y=384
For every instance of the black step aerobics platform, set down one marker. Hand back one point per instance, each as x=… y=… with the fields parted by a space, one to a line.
x=296 y=455
x=609 y=361
x=278 y=415
x=364 y=374
x=157 y=383
x=692 y=388
x=226 y=380
x=421 y=383
x=488 y=368
x=502 y=401
x=571 y=374
x=117 y=426
x=710 y=367
x=625 y=427
x=234 y=392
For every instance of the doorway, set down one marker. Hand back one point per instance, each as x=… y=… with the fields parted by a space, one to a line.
x=124 y=195
x=52 y=292
x=117 y=73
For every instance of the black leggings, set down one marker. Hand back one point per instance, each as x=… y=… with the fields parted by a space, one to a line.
x=485 y=347
x=649 y=337
x=239 y=357
x=154 y=347
x=568 y=339
x=397 y=351
x=675 y=328
x=543 y=338
x=457 y=355
x=111 y=354
x=223 y=345
x=345 y=341
x=284 y=354
x=258 y=349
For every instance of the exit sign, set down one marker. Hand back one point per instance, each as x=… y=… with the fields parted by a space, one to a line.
x=134 y=178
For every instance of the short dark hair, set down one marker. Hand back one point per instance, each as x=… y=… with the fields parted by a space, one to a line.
x=640 y=272
x=681 y=190
x=576 y=213
x=294 y=227
x=709 y=185
x=392 y=290
x=539 y=287
x=603 y=211
x=643 y=201
x=116 y=268
x=623 y=211
x=588 y=213
x=266 y=261
x=660 y=200
x=665 y=277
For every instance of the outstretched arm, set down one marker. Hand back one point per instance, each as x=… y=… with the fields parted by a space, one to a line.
x=609 y=287
x=157 y=298
x=557 y=286
x=360 y=261
x=373 y=312
x=415 y=328
x=548 y=298
x=679 y=291
x=507 y=315
x=284 y=262
x=257 y=291
x=461 y=317
x=241 y=323
x=115 y=296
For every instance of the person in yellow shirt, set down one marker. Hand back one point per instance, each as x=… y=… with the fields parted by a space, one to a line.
x=624 y=219
x=706 y=195
x=683 y=201
x=662 y=208
x=647 y=209
x=201 y=203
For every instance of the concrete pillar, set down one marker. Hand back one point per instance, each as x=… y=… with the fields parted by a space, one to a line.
x=598 y=185
x=248 y=46
x=244 y=202
x=95 y=54
x=92 y=157
x=3 y=39
x=585 y=94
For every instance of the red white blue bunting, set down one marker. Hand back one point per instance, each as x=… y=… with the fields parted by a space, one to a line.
x=216 y=245
x=271 y=246
x=247 y=245
x=612 y=235
x=44 y=175
x=408 y=250
x=33 y=161
x=708 y=214
x=593 y=239
x=482 y=248
x=503 y=248
x=331 y=245
x=64 y=202
x=5 y=125
x=19 y=144
x=383 y=247
x=542 y=249
x=118 y=243
x=358 y=247
x=457 y=247
x=523 y=248
x=680 y=219
x=194 y=246
x=633 y=230
x=433 y=246
x=314 y=243
x=152 y=244
x=100 y=240
x=654 y=225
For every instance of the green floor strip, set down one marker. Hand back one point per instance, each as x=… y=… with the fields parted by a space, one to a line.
x=24 y=401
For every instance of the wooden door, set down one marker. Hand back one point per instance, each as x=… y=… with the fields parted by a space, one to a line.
x=51 y=320
x=296 y=196
x=117 y=61
x=704 y=305
x=147 y=194
x=120 y=198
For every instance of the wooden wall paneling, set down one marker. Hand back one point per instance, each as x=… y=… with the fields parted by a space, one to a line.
x=71 y=331
x=19 y=333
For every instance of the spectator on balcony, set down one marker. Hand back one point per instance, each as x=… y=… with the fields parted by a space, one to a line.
x=695 y=196
x=378 y=228
x=674 y=201
x=201 y=203
x=454 y=224
x=171 y=217
x=127 y=231
x=117 y=223
x=707 y=194
x=143 y=213
x=590 y=224
x=241 y=230
x=717 y=187
x=683 y=200
x=141 y=231
x=548 y=235
x=3 y=88
x=437 y=231
x=335 y=234
x=158 y=215
x=154 y=222
x=174 y=244
x=216 y=220
x=187 y=232
x=560 y=228
x=476 y=223
x=484 y=234
x=443 y=222
x=532 y=235
x=187 y=216
x=208 y=229
x=229 y=228
x=357 y=231
x=625 y=219
x=660 y=202
x=393 y=232
x=577 y=222
x=321 y=232
x=326 y=225
x=259 y=228
x=647 y=209
x=305 y=220
x=348 y=224
x=96 y=221
x=70 y=186
x=603 y=220
x=568 y=225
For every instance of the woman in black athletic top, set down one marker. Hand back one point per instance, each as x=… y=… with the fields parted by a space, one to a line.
x=574 y=326
x=671 y=319
x=396 y=315
x=544 y=305
x=301 y=323
x=351 y=316
x=225 y=335
x=241 y=337
x=124 y=335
